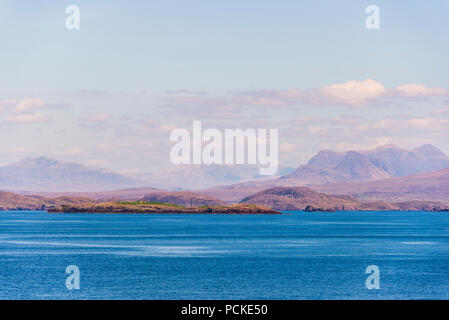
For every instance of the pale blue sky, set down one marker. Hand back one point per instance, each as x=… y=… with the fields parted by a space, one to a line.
x=116 y=71
x=220 y=45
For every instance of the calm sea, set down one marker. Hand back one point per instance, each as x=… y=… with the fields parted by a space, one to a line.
x=292 y=256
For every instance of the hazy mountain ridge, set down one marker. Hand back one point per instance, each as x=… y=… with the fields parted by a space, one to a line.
x=44 y=174
x=232 y=183
x=383 y=162
x=194 y=177
x=331 y=171
x=48 y=175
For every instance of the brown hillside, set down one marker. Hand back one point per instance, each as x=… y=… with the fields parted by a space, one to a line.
x=424 y=186
x=303 y=198
x=13 y=201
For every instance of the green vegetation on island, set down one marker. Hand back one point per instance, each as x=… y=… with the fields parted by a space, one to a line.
x=151 y=207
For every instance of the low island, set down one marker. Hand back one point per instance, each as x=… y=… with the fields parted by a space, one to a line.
x=156 y=207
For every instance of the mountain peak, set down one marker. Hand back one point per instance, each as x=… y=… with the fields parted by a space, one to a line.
x=428 y=150
x=37 y=162
x=353 y=155
x=325 y=158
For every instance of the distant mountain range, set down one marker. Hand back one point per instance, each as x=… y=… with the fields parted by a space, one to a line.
x=44 y=174
x=49 y=175
x=381 y=163
x=433 y=185
x=383 y=172
x=194 y=177
x=406 y=174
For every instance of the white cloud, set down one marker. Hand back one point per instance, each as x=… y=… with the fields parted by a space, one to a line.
x=354 y=93
x=412 y=123
x=382 y=141
x=28 y=118
x=29 y=104
x=351 y=93
x=419 y=90
x=430 y=124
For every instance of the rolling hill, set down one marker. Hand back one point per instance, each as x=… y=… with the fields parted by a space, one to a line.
x=303 y=198
x=13 y=201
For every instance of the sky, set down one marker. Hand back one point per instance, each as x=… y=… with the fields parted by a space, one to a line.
x=110 y=93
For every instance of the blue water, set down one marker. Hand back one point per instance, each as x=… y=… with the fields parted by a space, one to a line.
x=292 y=256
